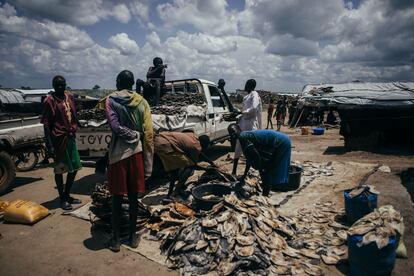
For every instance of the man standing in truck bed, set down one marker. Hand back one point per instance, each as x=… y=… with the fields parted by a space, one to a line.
x=60 y=125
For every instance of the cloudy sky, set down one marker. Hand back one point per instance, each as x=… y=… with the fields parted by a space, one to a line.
x=283 y=44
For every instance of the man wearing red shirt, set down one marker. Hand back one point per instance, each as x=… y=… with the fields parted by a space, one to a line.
x=60 y=125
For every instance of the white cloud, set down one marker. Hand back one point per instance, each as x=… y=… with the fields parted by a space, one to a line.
x=124 y=44
x=140 y=10
x=208 y=44
x=287 y=45
x=282 y=44
x=57 y=35
x=87 y=12
x=207 y=16
x=70 y=11
x=121 y=13
x=154 y=40
x=311 y=19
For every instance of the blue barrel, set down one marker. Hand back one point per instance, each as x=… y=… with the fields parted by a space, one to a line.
x=368 y=259
x=359 y=206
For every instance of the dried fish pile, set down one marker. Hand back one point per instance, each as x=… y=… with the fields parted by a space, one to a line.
x=248 y=236
x=95 y=114
x=166 y=219
x=162 y=219
x=312 y=170
x=266 y=96
x=102 y=208
x=176 y=103
x=319 y=236
x=182 y=99
x=378 y=226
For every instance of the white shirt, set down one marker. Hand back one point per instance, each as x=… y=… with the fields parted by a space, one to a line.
x=251 y=118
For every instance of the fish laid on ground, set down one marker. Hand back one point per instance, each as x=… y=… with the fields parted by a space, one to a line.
x=244 y=251
x=250 y=237
x=201 y=244
x=331 y=259
x=211 y=197
x=184 y=210
x=224 y=216
x=209 y=223
x=245 y=240
x=227 y=267
x=309 y=253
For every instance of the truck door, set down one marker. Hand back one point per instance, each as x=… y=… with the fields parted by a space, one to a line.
x=220 y=109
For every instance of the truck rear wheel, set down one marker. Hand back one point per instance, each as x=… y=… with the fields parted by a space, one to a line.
x=7 y=171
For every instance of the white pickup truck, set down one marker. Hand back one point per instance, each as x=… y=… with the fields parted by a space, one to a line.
x=20 y=138
x=211 y=120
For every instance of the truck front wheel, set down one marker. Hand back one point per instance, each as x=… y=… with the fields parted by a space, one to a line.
x=7 y=171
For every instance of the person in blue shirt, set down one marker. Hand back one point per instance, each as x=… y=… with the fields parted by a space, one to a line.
x=268 y=151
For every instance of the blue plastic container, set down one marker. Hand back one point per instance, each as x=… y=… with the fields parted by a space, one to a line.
x=368 y=259
x=318 y=131
x=359 y=206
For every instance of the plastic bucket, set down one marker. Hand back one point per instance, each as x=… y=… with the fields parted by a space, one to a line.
x=368 y=259
x=318 y=131
x=359 y=206
x=295 y=174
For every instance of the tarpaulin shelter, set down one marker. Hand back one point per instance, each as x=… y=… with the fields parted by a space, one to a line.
x=369 y=111
x=10 y=97
x=361 y=93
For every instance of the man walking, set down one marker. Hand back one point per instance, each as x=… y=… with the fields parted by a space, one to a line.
x=280 y=114
x=130 y=152
x=270 y=110
x=60 y=125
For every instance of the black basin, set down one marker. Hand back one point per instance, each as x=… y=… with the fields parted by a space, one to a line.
x=216 y=189
x=295 y=173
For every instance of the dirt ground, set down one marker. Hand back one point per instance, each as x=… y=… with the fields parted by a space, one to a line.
x=64 y=245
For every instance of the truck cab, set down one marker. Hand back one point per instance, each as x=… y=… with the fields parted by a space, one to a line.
x=219 y=110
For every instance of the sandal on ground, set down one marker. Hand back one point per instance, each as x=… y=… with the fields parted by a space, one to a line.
x=73 y=200
x=66 y=206
x=114 y=246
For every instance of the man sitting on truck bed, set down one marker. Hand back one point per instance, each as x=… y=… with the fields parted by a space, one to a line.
x=60 y=125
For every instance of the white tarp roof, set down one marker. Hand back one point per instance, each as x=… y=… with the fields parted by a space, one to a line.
x=39 y=92
x=33 y=95
x=362 y=93
x=8 y=97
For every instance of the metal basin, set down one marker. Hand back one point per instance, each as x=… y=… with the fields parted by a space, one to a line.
x=217 y=190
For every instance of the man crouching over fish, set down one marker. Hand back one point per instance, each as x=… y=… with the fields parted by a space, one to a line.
x=268 y=151
x=179 y=153
x=129 y=117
